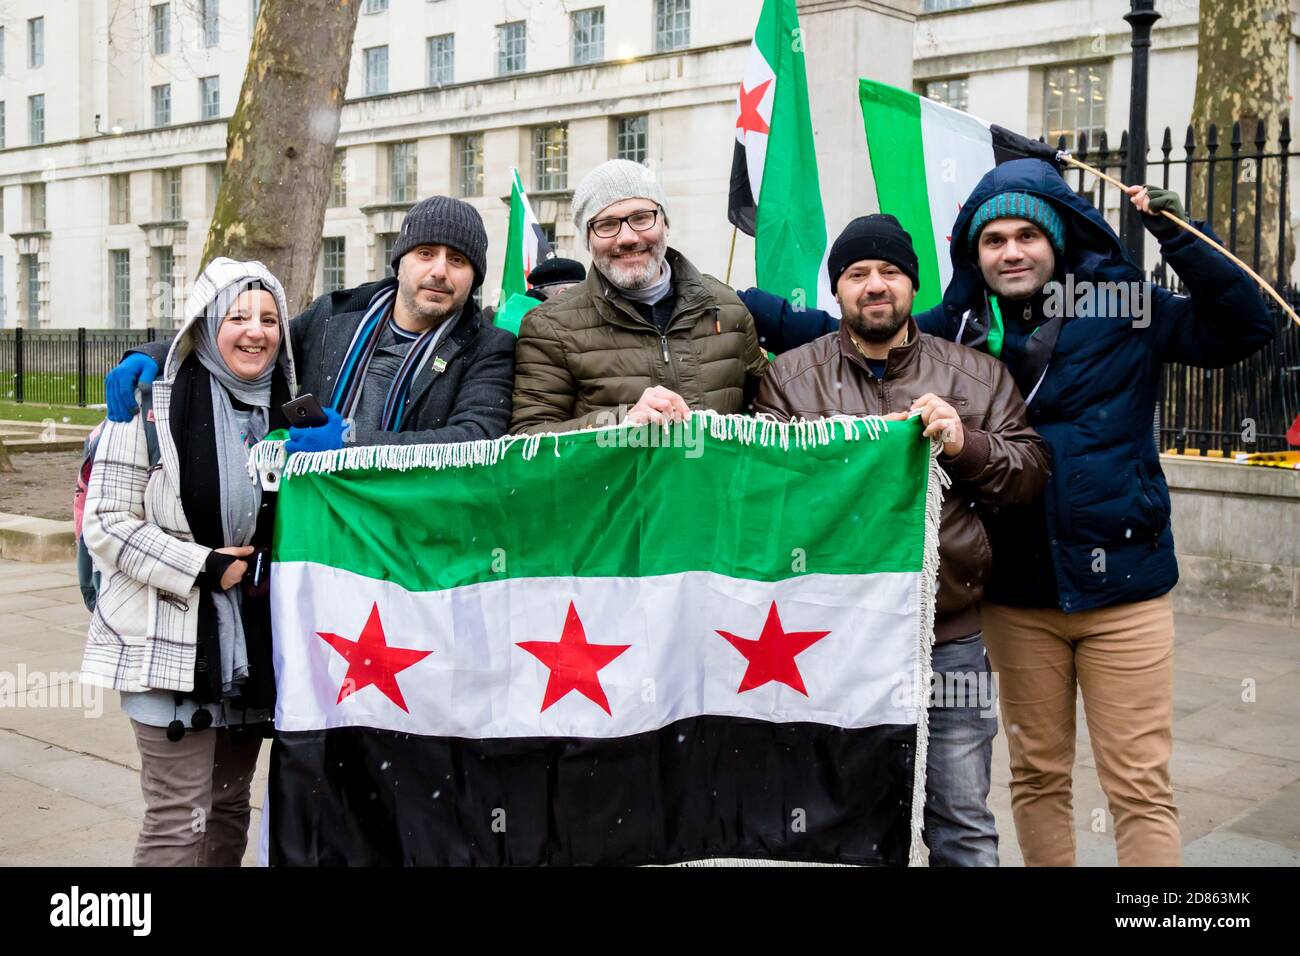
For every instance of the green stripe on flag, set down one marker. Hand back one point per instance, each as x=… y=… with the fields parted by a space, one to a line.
x=790 y=235
x=849 y=506
x=513 y=280
x=893 y=125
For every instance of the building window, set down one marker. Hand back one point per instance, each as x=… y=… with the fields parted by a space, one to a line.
x=170 y=181
x=630 y=138
x=333 y=252
x=952 y=93
x=36 y=206
x=384 y=248
x=30 y=268
x=470 y=164
x=120 y=263
x=36 y=42
x=164 y=287
x=588 y=36
x=1074 y=101
x=338 y=180
x=935 y=6
x=209 y=21
x=119 y=199
x=442 y=59
x=550 y=158
x=376 y=70
x=376 y=6
x=512 y=43
x=160 y=22
x=254 y=8
x=402 y=172
x=36 y=119
x=209 y=97
x=2 y=124
x=162 y=105
x=672 y=24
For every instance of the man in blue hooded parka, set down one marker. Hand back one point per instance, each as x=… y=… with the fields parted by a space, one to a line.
x=1079 y=593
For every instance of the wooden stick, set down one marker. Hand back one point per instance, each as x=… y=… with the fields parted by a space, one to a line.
x=732 y=254
x=1183 y=224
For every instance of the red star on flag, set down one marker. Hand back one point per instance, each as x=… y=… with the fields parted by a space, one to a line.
x=372 y=661
x=574 y=663
x=771 y=657
x=750 y=119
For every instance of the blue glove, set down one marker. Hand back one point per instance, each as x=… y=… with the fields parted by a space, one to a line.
x=136 y=370
x=325 y=437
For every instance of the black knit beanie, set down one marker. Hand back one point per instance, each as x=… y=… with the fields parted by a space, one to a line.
x=873 y=237
x=443 y=221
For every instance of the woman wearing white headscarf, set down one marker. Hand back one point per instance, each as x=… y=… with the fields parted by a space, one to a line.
x=182 y=623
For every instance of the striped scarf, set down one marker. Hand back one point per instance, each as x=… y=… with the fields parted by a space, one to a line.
x=352 y=376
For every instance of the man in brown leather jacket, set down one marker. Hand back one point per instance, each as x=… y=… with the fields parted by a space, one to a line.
x=878 y=363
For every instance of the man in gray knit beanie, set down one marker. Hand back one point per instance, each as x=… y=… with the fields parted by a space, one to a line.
x=645 y=338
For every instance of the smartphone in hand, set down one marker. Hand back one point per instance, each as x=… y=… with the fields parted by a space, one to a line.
x=304 y=412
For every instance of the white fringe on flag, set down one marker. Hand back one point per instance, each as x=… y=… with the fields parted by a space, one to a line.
x=268 y=458
x=936 y=482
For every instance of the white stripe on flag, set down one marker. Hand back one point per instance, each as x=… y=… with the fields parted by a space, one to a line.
x=958 y=151
x=477 y=683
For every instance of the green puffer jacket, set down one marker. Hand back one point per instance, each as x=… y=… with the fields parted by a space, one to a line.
x=584 y=359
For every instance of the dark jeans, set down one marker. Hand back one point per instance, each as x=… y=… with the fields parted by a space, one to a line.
x=959 y=828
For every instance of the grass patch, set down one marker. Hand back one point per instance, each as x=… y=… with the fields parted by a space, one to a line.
x=63 y=414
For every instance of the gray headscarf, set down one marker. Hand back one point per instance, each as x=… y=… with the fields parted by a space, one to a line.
x=241 y=497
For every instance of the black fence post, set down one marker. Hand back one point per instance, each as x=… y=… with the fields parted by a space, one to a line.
x=1283 y=210
x=81 y=367
x=1142 y=14
x=18 y=364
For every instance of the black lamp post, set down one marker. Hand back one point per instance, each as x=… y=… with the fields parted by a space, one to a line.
x=1141 y=16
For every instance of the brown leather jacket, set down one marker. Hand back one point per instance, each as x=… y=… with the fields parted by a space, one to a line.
x=1003 y=460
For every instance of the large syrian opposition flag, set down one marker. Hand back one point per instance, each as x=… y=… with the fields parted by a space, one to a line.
x=526 y=243
x=926 y=158
x=775 y=193
x=578 y=649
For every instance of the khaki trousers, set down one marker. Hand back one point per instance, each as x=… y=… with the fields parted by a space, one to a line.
x=196 y=797
x=1121 y=658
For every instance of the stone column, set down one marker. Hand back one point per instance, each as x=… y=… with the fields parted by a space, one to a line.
x=844 y=40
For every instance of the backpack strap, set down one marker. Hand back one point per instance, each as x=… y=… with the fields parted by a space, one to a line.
x=150 y=426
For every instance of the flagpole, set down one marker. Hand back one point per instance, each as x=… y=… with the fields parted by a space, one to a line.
x=732 y=254
x=1183 y=224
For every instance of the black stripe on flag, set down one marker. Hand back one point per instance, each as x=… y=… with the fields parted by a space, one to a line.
x=1009 y=145
x=742 y=210
x=700 y=788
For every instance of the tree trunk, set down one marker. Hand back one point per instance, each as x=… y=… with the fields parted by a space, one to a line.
x=280 y=142
x=1242 y=75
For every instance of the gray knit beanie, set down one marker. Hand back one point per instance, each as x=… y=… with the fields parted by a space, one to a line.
x=611 y=182
x=443 y=221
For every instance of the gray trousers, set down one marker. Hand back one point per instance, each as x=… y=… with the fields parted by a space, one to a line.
x=196 y=797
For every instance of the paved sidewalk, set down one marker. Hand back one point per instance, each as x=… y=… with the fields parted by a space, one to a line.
x=69 y=773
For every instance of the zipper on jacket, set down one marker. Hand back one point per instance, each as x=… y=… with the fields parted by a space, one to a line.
x=668 y=360
x=175 y=602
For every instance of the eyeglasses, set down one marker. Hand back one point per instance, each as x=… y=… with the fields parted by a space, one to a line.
x=639 y=221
